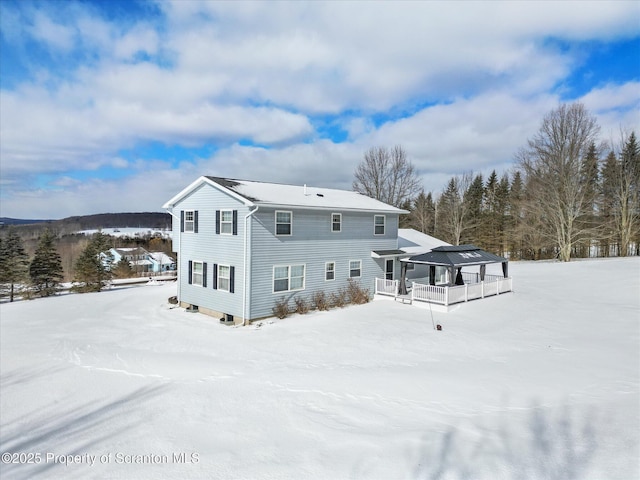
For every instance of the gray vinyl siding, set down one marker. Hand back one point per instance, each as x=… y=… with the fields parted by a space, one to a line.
x=313 y=243
x=207 y=246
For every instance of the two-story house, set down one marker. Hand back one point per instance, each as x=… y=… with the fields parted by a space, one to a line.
x=243 y=245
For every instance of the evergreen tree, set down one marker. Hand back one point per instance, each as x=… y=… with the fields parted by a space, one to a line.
x=45 y=269
x=93 y=267
x=13 y=261
x=422 y=214
x=589 y=173
x=123 y=269
x=515 y=216
x=474 y=197
x=607 y=205
x=628 y=188
x=452 y=219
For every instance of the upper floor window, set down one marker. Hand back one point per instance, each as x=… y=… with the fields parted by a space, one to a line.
x=190 y=221
x=283 y=223
x=226 y=222
x=378 y=224
x=336 y=222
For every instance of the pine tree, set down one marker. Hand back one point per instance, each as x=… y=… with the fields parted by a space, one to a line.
x=123 y=269
x=422 y=214
x=474 y=196
x=45 y=269
x=629 y=194
x=13 y=261
x=515 y=216
x=607 y=205
x=93 y=267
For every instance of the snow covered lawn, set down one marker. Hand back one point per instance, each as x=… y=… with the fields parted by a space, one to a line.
x=539 y=383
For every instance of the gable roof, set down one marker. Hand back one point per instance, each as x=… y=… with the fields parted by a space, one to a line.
x=287 y=196
x=457 y=256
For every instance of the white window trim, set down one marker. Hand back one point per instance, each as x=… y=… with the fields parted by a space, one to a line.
x=360 y=262
x=192 y=221
x=227 y=278
x=327 y=271
x=290 y=224
x=289 y=268
x=230 y=222
x=384 y=224
x=339 y=223
x=193 y=273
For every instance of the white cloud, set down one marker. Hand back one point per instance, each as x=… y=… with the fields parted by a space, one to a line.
x=56 y=35
x=226 y=72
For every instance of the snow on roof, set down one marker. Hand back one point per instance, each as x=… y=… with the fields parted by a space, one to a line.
x=276 y=194
x=162 y=258
x=415 y=242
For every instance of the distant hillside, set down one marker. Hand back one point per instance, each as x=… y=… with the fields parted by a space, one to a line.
x=90 y=222
x=19 y=221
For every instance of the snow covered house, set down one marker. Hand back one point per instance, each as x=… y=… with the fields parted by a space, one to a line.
x=244 y=245
x=140 y=259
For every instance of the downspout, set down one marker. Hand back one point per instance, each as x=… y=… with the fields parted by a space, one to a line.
x=170 y=212
x=245 y=267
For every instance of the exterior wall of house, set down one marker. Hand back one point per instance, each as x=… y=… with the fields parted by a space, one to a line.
x=312 y=243
x=211 y=248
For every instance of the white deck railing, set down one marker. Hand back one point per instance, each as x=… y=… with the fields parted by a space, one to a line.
x=446 y=295
x=386 y=287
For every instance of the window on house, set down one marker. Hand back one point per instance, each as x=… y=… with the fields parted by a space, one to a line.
x=330 y=271
x=378 y=225
x=190 y=217
x=197 y=273
x=224 y=277
x=288 y=278
x=226 y=222
x=355 y=268
x=336 y=222
x=283 y=223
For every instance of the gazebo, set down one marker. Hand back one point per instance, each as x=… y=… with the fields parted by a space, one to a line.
x=453 y=258
x=458 y=286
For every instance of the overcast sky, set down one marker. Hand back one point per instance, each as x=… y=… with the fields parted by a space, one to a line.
x=117 y=106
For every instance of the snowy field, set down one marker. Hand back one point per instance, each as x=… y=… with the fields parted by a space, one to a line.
x=542 y=383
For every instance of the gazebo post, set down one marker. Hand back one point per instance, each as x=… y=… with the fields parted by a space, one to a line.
x=505 y=269
x=403 y=274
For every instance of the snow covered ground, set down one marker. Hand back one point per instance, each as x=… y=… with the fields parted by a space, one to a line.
x=539 y=383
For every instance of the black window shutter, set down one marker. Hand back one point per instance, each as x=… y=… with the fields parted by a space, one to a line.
x=190 y=271
x=235 y=223
x=232 y=278
x=204 y=274
x=215 y=276
x=195 y=221
x=217 y=222
x=182 y=220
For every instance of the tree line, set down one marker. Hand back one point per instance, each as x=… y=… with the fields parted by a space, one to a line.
x=567 y=196
x=85 y=262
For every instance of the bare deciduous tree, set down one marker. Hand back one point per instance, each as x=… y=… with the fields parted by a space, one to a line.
x=553 y=163
x=387 y=175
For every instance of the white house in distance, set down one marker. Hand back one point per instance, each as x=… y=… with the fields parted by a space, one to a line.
x=244 y=245
x=141 y=260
